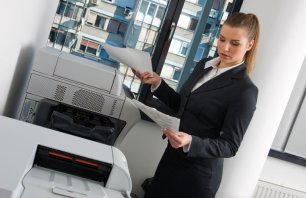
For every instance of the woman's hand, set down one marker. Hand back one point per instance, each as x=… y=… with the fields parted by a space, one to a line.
x=177 y=139
x=147 y=77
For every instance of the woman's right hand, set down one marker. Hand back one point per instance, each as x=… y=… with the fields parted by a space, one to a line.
x=147 y=77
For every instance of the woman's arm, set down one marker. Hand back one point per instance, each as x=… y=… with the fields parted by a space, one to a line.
x=164 y=92
x=237 y=119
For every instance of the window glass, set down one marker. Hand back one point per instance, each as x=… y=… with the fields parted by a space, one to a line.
x=190 y=44
x=76 y=21
x=152 y=9
x=100 y=22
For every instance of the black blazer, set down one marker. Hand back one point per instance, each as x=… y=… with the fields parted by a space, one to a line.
x=217 y=115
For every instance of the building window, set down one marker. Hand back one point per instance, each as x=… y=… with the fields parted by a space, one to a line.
x=184 y=48
x=207 y=29
x=113 y=26
x=160 y=13
x=122 y=29
x=89 y=47
x=187 y=22
x=176 y=74
x=143 y=7
x=152 y=9
x=193 y=24
x=179 y=47
x=100 y=22
x=69 y=10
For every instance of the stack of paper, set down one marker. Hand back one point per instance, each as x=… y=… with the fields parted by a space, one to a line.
x=163 y=120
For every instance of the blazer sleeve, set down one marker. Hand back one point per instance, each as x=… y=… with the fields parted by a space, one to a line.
x=167 y=95
x=237 y=119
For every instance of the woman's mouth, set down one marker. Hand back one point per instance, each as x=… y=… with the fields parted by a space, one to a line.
x=222 y=55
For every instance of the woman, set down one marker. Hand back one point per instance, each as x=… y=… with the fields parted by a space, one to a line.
x=215 y=106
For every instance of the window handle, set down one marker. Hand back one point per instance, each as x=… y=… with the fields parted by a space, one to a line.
x=172 y=28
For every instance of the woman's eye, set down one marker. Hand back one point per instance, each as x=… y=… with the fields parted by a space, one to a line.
x=235 y=44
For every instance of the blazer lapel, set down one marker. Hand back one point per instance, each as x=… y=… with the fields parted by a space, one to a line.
x=223 y=80
x=194 y=79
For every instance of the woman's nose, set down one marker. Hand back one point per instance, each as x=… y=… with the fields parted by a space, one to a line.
x=226 y=47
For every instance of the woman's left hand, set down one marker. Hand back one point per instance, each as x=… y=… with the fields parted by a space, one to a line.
x=177 y=139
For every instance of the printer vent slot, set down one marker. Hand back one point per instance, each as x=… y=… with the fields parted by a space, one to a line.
x=113 y=107
x=88 y=100
x=60 y=92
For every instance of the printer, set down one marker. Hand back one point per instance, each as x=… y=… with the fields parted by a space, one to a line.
x=37 y=162
x=77 y=96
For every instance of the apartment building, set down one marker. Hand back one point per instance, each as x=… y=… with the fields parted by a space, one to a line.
x=80 y=26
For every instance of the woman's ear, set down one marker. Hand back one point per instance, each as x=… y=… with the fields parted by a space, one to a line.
x=250 y=45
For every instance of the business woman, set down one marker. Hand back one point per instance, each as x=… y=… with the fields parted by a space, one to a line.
x=215 y=106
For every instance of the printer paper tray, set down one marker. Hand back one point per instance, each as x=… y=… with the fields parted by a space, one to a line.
x=41 y=182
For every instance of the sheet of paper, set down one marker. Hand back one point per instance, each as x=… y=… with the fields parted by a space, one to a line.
x=163 y=120
x=139 y=60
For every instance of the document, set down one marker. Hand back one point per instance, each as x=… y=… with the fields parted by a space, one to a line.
x=161 y=119
x=137 y=59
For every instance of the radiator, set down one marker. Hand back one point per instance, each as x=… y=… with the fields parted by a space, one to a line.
x=269 y=190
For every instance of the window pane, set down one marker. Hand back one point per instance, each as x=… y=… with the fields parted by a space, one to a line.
x=122 y=29
x=152 y=9
x=176 y=74
x=193 y=24
x=91 y=50
x=143 y=7
x=113 y=26
x=100 y=21
x=61 y=8
x=160 y=12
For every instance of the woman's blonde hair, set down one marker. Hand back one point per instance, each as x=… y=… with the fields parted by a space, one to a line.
x=251 y=23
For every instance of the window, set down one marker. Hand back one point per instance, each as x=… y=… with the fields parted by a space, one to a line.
x=143 y=7
x=116 y=27
x=193 y=24
x=207 y=28
x=184 y=48
x=70 y=10
x=152 y=9
x=100 y=22
x=113 y=26
x=61 y=8
x=89 y=47
x=122 y=29
x=179 y=47
x=160 y=13
x=176 y=74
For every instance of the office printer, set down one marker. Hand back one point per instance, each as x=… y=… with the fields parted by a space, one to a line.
x=81 y=97
x=37 y=162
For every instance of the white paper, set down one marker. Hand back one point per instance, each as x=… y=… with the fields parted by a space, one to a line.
x=163 y=120
x=139 y=60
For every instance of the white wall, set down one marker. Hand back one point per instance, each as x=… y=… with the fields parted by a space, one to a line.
x=280 y=57
x=25 y=25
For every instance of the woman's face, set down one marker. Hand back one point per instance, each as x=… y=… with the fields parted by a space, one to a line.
x=233 y=43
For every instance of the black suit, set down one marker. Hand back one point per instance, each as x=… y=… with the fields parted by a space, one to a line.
x=217 y=115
